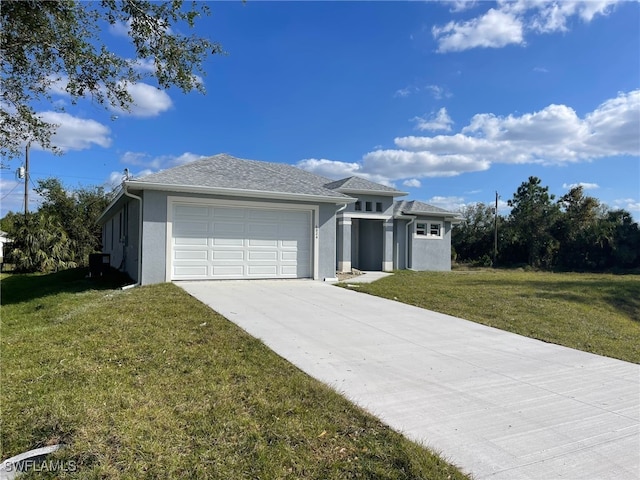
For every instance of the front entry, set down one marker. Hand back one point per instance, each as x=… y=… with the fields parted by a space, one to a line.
x=367 y=244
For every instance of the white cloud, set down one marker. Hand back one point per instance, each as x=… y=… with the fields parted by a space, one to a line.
x=404 y=92
x=330 y=168
x=120 y=29
x=453 y=204
x=494 y=29
x=12 y=197
x=74 y=133
x=437 y=121
x=555 y=135
x=412 y=183
x=631 y=205
x=540 y=69
x=150 y=163
x=438 y=92
x=584 y=185
x=148 y=101
x=508 y=23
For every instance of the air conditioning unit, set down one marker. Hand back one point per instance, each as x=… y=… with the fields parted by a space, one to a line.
x=99 y=264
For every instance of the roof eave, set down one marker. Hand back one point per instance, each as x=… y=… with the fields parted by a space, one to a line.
x=234 y=192
x=103 y=215
x=382 y=193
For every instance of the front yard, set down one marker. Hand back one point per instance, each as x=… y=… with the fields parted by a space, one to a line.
x=150 y=383
x=596 y=313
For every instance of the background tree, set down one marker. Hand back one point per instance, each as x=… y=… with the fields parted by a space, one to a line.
x=39 y=244
x=473 y=237
x=76 y=211
x=531 y=223
x=577 y=230
x=44 y=43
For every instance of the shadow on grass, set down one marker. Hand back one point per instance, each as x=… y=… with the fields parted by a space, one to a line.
x=22 y=287
x=623 y=296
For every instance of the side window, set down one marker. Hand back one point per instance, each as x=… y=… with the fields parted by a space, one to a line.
x=421 y=229
x=435 y=230
x=378 y=206
x=358 y=206
x=368 y=206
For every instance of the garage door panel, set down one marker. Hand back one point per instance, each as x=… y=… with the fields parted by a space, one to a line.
x=227 y=255
x=262 y=270
x=262 y=255
x=191 y=210
x=240 y=242
x=190 y=254
x=190 y=270
x=228 y=212
x=183 y=241
x=227 y=271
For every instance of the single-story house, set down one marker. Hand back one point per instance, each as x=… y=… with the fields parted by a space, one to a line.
x=227 y=218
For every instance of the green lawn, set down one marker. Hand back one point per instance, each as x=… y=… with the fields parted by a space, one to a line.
x=591 y=312
x=150 y=383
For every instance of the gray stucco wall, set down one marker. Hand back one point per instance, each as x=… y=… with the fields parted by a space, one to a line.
x=399 y=244
x=120 y=238
x=433 y=254
x=154 y=244
x=387 y=204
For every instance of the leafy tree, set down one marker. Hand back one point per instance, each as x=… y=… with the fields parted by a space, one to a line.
x=47 y=42
x=472 y=239
x=531 y=223
x=77 y=212
x=39 y=244
x=577 y=230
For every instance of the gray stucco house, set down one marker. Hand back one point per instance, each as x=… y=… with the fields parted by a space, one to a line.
x=223 y=217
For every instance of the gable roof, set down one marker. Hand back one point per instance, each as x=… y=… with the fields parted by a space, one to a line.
x=415 y=207
x=226 y=175
x=360 y=185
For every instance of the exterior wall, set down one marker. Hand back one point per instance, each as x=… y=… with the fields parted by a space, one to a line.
x=154 y=232
x=365 y=238
x=400 y=244
x=387 y=205
x=433 y=254
x=326 y=223
x=120 y=238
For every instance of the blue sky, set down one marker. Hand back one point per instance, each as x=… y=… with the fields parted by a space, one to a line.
x=449 y=101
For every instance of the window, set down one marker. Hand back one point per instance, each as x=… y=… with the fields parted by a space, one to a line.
x=378 y=206
x=429 y=229
x=358 y=206
x=368 y=207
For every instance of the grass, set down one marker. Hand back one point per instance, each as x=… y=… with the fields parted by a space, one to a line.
x=598 y=313
x=150 y=383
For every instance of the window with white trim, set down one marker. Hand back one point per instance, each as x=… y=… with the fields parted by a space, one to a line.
x=429 y=229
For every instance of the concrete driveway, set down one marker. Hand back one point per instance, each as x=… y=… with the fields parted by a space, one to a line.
x=498 y=405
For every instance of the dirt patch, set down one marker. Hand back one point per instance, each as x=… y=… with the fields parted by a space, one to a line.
x=342 y=276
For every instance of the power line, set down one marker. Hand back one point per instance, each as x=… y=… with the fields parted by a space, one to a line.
x=6 y=195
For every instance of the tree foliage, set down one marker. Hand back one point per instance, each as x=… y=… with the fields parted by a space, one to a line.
x=574 y=233
x=473 y=237
x=39 y=244
x=62 y=233
x=47 y=43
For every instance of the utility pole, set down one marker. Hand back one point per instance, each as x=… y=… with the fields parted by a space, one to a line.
x=495 y=232
x=26 y=178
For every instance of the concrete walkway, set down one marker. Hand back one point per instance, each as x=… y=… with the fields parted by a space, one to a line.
x=498 y=405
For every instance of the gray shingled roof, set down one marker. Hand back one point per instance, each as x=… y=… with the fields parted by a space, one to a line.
x=415 y=207
x=227 y=172
x=357 y=184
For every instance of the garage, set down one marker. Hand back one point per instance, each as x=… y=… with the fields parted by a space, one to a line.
x=225 y=241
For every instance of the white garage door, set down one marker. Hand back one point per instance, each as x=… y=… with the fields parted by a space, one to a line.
x=210 y=241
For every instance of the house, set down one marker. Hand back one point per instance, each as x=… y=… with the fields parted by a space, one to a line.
x=4 y=238
x=223 y=217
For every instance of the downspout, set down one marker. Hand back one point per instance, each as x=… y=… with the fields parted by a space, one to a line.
x=136 y=197
x=406 y=250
